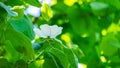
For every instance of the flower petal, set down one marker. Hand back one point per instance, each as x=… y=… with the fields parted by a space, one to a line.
x=39 y=33
x=49 y=2
x=55 y=30
x=45 y=29
x=32 y=10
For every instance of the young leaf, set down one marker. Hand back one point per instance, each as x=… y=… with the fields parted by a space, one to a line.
x=46 y=12
x=20 y=42
x=19 y=10
x=8 y=9
x=23 y=25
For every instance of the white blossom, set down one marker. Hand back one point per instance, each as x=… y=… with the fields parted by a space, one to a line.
x=49 y=2
x=32 y=10
x=80 y=65
x=48 y=31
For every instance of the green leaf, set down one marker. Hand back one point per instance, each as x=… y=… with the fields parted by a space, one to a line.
x=13 y=2
x=109 y=45
x=46 y=12
x=33 y=2
x=98 y=5
x=49 y=64
x=11 y=52
x=99 y=8
x=115 y=59
x=19 y=41
x=2 y=37
x=23 y=25
x=82 y=26
x=114 y=42
x=49 y=61
x=115 y=3
x=61 y=56
x=5 y=64
x=20 y=64
x=8 y=9
x=32 y=65
x=56 y=44
x=2 y=51
x=78 y=52
x=72 y=58
x=19 y=10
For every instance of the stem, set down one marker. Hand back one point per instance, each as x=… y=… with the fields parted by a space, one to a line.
x=54 y=60
x=31 y=61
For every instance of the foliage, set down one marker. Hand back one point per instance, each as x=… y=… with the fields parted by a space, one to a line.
x=90 y=34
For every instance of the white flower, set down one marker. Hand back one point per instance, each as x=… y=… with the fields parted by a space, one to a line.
x=49 y=2
x=80 y=65
x=32 y=10
x=48 y=31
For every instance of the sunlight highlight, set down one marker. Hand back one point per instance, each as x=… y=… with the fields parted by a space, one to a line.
x=54 y=2
x=114 y=28
x=81 y=65
x=84 y=35
x=39 y=62
x=103 y=59
x=88 y=0
x=36 y=37
x=101 y=52
x=104 y=32
x=80 y=2
x=69 y=2
x=66 y=37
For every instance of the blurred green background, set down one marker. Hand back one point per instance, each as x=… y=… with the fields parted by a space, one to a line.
x=91 y=28
x=92 y=25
